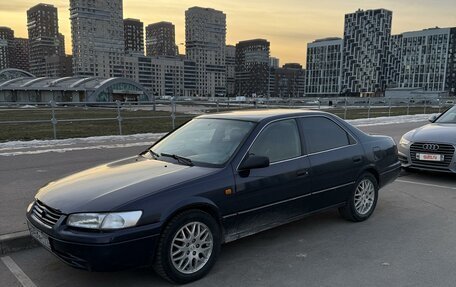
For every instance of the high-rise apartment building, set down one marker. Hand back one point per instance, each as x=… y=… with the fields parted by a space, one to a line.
x=324 y=67
x=273 y=67
x=230 y=62
x=274 y=62
x=365 y=51
x=252 y=68
x=6 y=42
x=289 y=81
x=162 y=76
x=98 y=37
x=272 y=81
x=14 y=52
x=190 y=78
x=61 y=38
x=58 y=65
x=428 y=59
x=43 y=31
x=161 y=39
x=205 y=37
x=450 y=79
x=20 y=54
x=134 y=36
x=394 y=58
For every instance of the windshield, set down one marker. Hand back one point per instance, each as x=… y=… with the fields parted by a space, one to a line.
x=207 y=141
x=449 y=117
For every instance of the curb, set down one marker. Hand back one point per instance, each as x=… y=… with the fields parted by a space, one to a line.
x=16 y=241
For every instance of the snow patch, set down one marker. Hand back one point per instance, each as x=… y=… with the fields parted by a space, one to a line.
x=63 y=150
x=13 y=145
x=389 y=120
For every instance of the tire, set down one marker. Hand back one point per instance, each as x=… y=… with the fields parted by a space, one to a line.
x=362 y=200
x=192 y=256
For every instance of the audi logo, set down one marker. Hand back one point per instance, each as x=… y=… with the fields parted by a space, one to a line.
x=430 y=146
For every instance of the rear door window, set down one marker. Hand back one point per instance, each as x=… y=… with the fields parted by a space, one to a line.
x=323 y=134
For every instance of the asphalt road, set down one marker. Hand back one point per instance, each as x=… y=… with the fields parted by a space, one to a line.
x=409 y=240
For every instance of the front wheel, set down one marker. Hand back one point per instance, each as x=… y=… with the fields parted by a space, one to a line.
x=362 y=200
x=188 y=247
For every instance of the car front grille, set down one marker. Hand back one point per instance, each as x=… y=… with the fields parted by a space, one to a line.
x=45 y=214
x=446 y=150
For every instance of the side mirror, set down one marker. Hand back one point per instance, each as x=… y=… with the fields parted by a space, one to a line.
x=433 y=118
x=253 y=162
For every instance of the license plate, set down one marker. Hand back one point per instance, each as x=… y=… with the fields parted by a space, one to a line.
x=39 y=236
x=430 y=157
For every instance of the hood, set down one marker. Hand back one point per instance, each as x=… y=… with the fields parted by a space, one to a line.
x=105 y=187
x=440 y=133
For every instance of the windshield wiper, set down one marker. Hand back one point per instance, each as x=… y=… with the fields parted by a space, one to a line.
x=154 y=154
x=180 y=159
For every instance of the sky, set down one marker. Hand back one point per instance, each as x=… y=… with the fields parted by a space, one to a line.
x=288 y=24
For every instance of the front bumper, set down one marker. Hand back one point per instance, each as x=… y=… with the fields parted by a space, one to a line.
x=406 y=162
x=106 y=257
x=98 y=252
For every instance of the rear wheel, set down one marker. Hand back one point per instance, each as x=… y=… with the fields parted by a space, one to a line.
x=188 y=247
x=362 y=200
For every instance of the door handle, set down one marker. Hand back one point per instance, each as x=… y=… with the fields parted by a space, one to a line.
x=302 y=172
x=357 y=159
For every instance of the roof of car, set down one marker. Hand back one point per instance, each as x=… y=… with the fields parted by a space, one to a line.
x=259 y=114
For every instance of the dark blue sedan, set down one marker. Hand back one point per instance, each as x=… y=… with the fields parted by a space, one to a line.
x=216 y=179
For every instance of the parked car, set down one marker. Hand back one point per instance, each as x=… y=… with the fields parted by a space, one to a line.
x=431 y=147
x=313 y=102
x=218 y=178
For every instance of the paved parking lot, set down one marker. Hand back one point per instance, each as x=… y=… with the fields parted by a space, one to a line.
x=409 y=241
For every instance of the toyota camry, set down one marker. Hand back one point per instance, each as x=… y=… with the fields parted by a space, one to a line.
x=218 y=178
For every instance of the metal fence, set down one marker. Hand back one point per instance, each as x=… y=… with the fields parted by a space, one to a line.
x=173 y=110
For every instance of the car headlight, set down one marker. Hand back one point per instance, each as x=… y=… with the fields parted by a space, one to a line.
x=29 y=207
x=114 y=220
x=405 y=142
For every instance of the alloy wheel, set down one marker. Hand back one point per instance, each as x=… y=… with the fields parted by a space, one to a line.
x=364 y=196
x=191 y=247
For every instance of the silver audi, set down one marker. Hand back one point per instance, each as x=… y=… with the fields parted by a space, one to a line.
x=431 y=147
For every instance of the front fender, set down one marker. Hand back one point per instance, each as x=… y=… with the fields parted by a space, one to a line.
x=194 y=202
